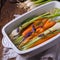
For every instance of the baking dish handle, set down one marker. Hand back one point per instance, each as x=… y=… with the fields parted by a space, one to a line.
x=6 y=43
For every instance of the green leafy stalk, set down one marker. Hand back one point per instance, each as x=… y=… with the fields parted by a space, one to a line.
x=52 y=16
x=42 y=3
x=28 y=19
x=30 y=43
x=38 y=1
x=18 y=40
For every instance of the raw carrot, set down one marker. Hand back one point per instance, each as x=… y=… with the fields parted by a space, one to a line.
x=39 y=30
x=27 y=39
x=29 y=28
x=43 y=39
x=48 y=24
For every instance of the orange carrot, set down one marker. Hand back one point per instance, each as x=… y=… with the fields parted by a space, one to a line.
x=44 y=20
x=48 y=24
x=39 y=30
x=43 y=40
x=29 y=28
x=28 y=39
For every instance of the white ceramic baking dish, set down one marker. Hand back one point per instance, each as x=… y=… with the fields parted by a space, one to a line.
x=6 y=30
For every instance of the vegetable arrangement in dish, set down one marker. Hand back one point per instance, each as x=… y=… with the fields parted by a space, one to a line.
x=36 y=30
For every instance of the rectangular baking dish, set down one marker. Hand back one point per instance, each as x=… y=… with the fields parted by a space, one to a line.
x=6 y=30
